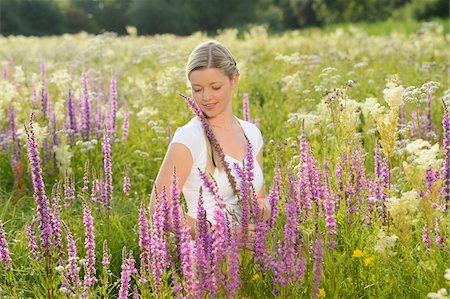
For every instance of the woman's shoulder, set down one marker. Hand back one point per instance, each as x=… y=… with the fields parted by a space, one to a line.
x=249 y=128
x=189 y=134
x=190 y=128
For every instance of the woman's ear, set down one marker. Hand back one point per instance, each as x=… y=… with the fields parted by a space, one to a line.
x=235 y=80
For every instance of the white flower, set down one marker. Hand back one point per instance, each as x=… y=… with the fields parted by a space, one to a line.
x=447 y=274
x=61 y=78
x=392 y=95
x=423 y=155
x=385 y=243
x=63 y=156
x=441 y=294
x=146 y=113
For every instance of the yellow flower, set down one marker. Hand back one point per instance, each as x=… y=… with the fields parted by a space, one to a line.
x=322 y=293
x=256 y=276
x=357 y=253
x=369 y=261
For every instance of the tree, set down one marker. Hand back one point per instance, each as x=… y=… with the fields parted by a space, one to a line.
x=31 y=17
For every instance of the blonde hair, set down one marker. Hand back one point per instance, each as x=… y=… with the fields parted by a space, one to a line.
x=211 y=54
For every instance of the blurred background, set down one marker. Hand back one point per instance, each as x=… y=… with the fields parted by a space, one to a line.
x=181 y=17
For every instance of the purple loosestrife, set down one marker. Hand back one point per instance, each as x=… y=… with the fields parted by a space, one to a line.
x=107 y=166
x=89 y=244
x=274 y=196
x=106 y=259
x=144 y=243
x=128 y=269
x=306 y=183
x=71 y=113
x=85 y=189
x=317 y=267
x=4 y=251
x=212 y=139
x=287 y=267
x=426 y=237
x=71 y=279
x=329 y=214
x=159 y=246
x=126 y=183
x=42 y=202
x=245 y=106
x=114 y=106
x=32 y=243
x=244 y=202
x=86 y=108
x=56 y=219
x=232 y=284
x=176 y=213
x=187 y=262
x=16 y=141
x=446 y=147
x=440 y=239
x=44 y=98
x=203 y=243
x=125 y=126
x=69 y=188
x=219 y=230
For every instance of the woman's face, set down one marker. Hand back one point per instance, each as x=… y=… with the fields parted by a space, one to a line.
x=212 y=90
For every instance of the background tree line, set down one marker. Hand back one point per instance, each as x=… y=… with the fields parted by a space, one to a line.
x=49 y=17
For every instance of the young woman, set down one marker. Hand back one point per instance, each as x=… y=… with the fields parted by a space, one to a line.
x=213 y=75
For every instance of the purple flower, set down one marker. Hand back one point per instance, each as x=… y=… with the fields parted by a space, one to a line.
x=89 y=244
x=86 y=178
x=446 y=147
x=440 y=239
x=203 y=247
x=186 y=262
x=114 y=106
x=232 y=285
x=274 y=196
x=176 y=213
x=106 y=259
x=159 y=244
x=56 y=219
x=32 y=243
x=71 y=113
x=4 y=251
x=426 y=237
x=219 y=229
x=245 y=105
x=317 y=267
x=107 y=166
x=144 y=242
x=125 y=276
x=125 y=126
x=126 y=183
x=71 y=278
x=86 y=108
x=42 y=203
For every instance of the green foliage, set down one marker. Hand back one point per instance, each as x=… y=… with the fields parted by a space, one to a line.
x=291 y=79
x=38 y=17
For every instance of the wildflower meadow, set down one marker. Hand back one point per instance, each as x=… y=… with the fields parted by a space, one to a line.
x=356 y=131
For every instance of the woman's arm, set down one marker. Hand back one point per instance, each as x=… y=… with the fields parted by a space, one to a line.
x=178 y=157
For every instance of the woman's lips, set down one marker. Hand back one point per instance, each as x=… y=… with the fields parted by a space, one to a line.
x=209 y=106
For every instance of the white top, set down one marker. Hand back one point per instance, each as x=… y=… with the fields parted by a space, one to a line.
x=193 y=137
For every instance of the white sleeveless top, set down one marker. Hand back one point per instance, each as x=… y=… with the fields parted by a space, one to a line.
x=193 y=137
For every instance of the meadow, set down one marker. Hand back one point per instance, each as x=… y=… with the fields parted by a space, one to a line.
x=356 y=166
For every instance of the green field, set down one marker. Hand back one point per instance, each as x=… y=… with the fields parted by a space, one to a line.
x=344 y=89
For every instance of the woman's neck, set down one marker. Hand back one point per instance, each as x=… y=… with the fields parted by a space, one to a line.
x=223 y=122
